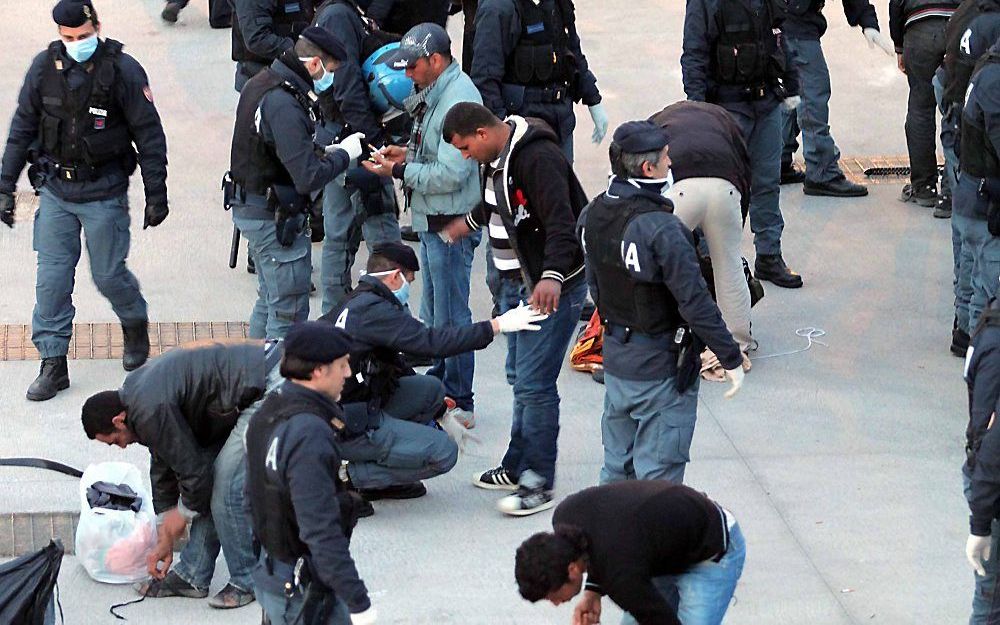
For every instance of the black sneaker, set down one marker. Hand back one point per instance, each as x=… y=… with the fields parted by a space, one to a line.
x=171 y=11
x=790 y=174
x=526 y=501
x=53 y=376
x=924 y=196
x=772 y=267
x=407 y=234
x=173 y=585
x=943 y=208
x=495 y=479
x=231 y=597
x=838 y=187
x=959 y=342
x=412 y=490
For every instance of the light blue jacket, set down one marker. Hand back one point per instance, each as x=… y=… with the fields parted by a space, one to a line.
x=443 y=183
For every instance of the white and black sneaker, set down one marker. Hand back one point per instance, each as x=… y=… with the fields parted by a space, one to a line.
x=494 y=479
x=526 y=501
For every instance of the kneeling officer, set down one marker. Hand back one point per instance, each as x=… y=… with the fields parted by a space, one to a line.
x=306 y=574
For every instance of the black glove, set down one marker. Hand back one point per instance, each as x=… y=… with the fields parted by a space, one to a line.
x=156 y=212
x=7 y=209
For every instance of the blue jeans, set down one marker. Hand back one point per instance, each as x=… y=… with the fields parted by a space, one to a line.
x=961 y=258
x=813 y=114
x=534 y=360
x=56 y=239
x=762 y=132
x=447 y=272
x=923 y=52
x=283 y=611
x=344 y=222
x=407 y=446
x=707 y=588
x=983 y=247
x=647 y=429
x=228 y=527
x=283 y=275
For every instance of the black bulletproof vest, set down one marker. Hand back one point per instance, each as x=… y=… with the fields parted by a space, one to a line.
x=646 y=307
x=745 y=44
x=798 y=8
x=959 y=67
x=977 y=155
x=408 y=13
x=289 y=19
x=273 y=516
x=86 y=126
x=254 y=164
x=541 y=57
x=375 y=372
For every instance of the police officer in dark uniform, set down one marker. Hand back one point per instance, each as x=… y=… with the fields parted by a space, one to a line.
x=803 y=28
x=263 y=30
x=361 y=204
x=527 y=61
x=654 y=303
x=976 y=204
x=85 y=118
x=734 y=56
x=276 y=168
x=392 y=440
x=301 y=515
x=981 y=471
x=971 y=31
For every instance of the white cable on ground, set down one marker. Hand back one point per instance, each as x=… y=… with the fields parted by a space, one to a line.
x=810 y=334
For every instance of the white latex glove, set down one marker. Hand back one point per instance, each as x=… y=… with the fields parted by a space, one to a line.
x=456 y=431
x=977 y=550
x=368 y=617
x=875 y=38
x=600 y=118
x=792 y=102
x=523 y=317
x=351 y=145
x=735 y=377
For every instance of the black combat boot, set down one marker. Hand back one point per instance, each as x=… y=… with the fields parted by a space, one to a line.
x=772 y=267
x=53 y=376
x=838 y=187
x=136 y=349
x=171 y=11
x=959 y=342
x=790 y=174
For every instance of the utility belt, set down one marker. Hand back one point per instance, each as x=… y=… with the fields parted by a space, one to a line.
x=83 y=172
x=283 y=204
x=516 y=96
x=728 y=522
x=735 y=93
x=679 y=340
x=318 y=602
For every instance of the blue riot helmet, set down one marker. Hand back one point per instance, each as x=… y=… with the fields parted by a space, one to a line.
x=387 y=87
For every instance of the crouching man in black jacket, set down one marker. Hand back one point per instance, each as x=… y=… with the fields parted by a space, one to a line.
x=637 y=542
x=190 y=407
x=531 y=202
x=391 y=439
x=302 y=517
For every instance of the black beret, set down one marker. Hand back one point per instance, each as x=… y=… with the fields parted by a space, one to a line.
x=399 y=253
x=317 y=341
x=325 y=41
x=74 y=13
x=640 y=137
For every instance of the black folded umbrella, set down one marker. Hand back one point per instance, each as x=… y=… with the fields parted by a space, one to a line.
x=27 y=584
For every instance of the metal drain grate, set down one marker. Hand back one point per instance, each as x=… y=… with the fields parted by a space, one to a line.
x=854 y=169
x=103 y=341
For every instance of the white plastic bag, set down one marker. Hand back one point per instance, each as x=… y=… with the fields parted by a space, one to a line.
x=112 y=545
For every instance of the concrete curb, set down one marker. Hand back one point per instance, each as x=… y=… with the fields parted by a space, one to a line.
x=25 y=532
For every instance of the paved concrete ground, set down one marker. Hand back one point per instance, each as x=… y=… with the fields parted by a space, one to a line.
x=841 y=463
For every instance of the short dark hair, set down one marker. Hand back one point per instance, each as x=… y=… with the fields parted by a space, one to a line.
x=465 y=118
x=378 y=263
x=98 y=411
x=305 y=48
x=295 y=368
x=629 y=164
x=541 y=565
